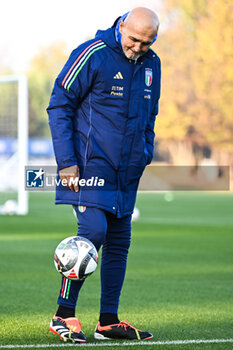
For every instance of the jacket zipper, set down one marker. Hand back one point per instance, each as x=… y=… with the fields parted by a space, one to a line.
x=86 y=150
x=117 y=194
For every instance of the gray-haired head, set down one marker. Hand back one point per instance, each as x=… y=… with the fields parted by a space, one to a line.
x=138 y=32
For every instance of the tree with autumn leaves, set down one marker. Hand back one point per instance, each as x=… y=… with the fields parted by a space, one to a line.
x=196 y=50
x=43 y=71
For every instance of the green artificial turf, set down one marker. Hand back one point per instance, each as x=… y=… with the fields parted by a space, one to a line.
x=179 y=281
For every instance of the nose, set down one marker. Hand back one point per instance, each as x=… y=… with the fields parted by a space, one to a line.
x=137 y=47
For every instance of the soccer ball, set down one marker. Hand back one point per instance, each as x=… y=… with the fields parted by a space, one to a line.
x=9 y=207
x=169 y=197
x=75 y=258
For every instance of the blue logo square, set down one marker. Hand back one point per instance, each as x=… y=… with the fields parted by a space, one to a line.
x=35 y=178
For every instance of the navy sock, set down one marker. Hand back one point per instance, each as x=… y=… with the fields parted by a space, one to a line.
x=65 y=312
x=108 y=318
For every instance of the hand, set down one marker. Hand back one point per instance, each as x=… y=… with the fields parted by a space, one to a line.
x=71 y=175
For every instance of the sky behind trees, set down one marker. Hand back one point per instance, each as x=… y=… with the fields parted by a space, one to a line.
x=29 y=25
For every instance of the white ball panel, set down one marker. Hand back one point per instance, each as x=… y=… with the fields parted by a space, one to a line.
x=91 y=266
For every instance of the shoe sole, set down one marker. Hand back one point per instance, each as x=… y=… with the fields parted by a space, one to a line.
x=99 y=336
x=66 y=339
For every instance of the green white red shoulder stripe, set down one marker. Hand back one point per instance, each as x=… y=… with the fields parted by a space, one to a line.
x=80 y=62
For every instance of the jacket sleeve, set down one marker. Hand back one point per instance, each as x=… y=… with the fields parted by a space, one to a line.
x=70 y=88
x=149 y=132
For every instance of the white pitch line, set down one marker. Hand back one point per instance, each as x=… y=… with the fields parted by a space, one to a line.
x=167 y=342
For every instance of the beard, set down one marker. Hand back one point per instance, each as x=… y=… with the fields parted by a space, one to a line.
x=131 y=55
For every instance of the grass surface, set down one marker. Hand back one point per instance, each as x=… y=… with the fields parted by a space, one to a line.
x=178 y=284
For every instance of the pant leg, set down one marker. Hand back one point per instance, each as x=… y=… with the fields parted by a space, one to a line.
x=114 y=260
x=92 y=224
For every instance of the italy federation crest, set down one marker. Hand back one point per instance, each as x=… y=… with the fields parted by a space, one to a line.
x=82 y=208
x=148 y=76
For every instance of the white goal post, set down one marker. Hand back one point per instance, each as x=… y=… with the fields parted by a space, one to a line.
x=19 y=159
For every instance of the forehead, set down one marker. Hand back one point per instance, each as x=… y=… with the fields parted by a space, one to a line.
x=140 y=32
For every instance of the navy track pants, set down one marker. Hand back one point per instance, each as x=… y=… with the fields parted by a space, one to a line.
x=113 y=234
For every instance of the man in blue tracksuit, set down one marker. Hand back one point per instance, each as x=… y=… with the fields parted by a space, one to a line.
x=102 y=114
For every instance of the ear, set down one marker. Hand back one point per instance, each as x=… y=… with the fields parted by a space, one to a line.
x=121 y=27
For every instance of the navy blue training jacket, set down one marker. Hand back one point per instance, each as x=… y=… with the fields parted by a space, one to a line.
x=101 y=114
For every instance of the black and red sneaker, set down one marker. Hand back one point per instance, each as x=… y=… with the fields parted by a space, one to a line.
x=68 y=329
x=121 y=330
